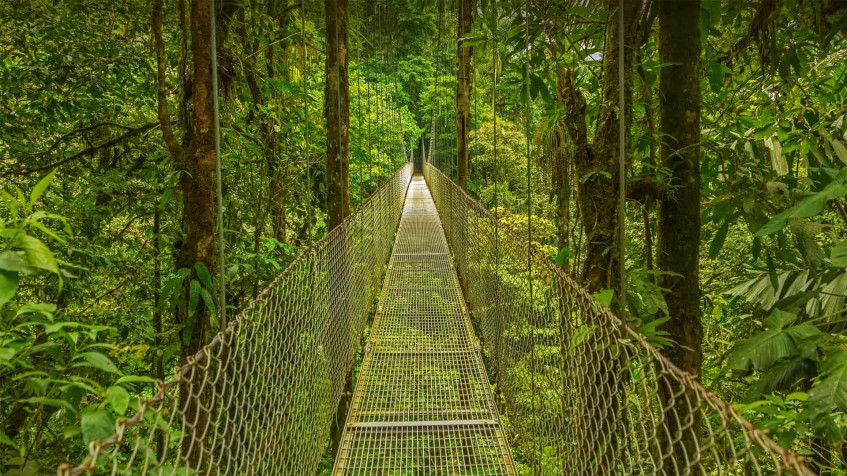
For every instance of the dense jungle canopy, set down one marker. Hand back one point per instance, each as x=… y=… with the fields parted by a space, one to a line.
x=734 y=226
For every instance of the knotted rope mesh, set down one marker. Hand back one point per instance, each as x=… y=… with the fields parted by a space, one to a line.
x=582 y=393
x=261 y=397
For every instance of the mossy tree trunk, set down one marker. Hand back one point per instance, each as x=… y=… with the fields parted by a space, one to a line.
x=337 y=115
x=679 y=213
x=194 y=158
x=596 y=165
x=464 y=84
x=337 y=112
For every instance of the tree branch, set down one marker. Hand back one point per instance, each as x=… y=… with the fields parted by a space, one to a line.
x=88 y=152
x=164 y=116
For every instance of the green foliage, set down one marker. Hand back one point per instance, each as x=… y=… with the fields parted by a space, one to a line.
x=52 y=366
x=92 y=275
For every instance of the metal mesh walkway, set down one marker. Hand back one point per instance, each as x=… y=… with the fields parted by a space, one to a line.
x=423 y=403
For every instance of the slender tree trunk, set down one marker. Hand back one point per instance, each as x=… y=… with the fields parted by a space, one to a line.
x=198 y=178
x=337 y=111
x=598 y=166
x=464 y=83
x=194 y=158
x=648 y=236
x=561 y=178
x=679 y=214
x=158 y=365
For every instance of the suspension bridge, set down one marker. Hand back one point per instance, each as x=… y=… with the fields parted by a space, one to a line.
x=422 y=336
x=483 y=358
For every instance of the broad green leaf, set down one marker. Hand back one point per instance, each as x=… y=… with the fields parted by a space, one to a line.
x=193 y=296
x=808 y=207
x=762 y=350
x=839 y=149
x=838 y=254
x=42 y=308
x=50 y=402
x=8 y=285
x=563 y=256
x=831 y=393
x=4 y=439
x=207 y=298
x=134 y=379
x=118 y=398
x=41 y=187
x=772 y=273
x=97 y=425
x=203 y=274
x=605 y=296
x=718 y=240
x=780 y=165
x=799 y=396
x=51 y=328
x=716 y=75
x=14 y=261
x=778 y=319
x=782 y=375
x=38 y=255
x=96 y=360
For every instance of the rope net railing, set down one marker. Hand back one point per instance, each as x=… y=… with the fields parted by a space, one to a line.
x=261 y=397
x=581 y=393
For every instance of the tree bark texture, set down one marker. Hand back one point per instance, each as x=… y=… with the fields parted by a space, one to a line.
x=194 y=158
x=464 y=84
x=679 y=213
x=597 y=162
x=337 y=111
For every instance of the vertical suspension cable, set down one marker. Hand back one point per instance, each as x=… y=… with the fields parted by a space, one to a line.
x=218 y=180
x=475 y=116
x=621 y=235
x=380 y=19
x=359 y=115
x=434 y=100
x=308 y=149
x=494 y=56
x=528 y=129
x=370 y=138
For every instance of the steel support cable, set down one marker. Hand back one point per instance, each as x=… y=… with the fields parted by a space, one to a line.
x=434 y=100
x=621 y=211
x=528 y=132
x=494 y=64
x=380 y=117
x=306 y=137
x=359 y=144
x=218 y=179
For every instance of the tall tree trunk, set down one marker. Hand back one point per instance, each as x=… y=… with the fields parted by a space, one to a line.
x=464 y=83
x=197 y=180
x=196 y=164
x=337 y=111
x=679 y=215
x=597 y=167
